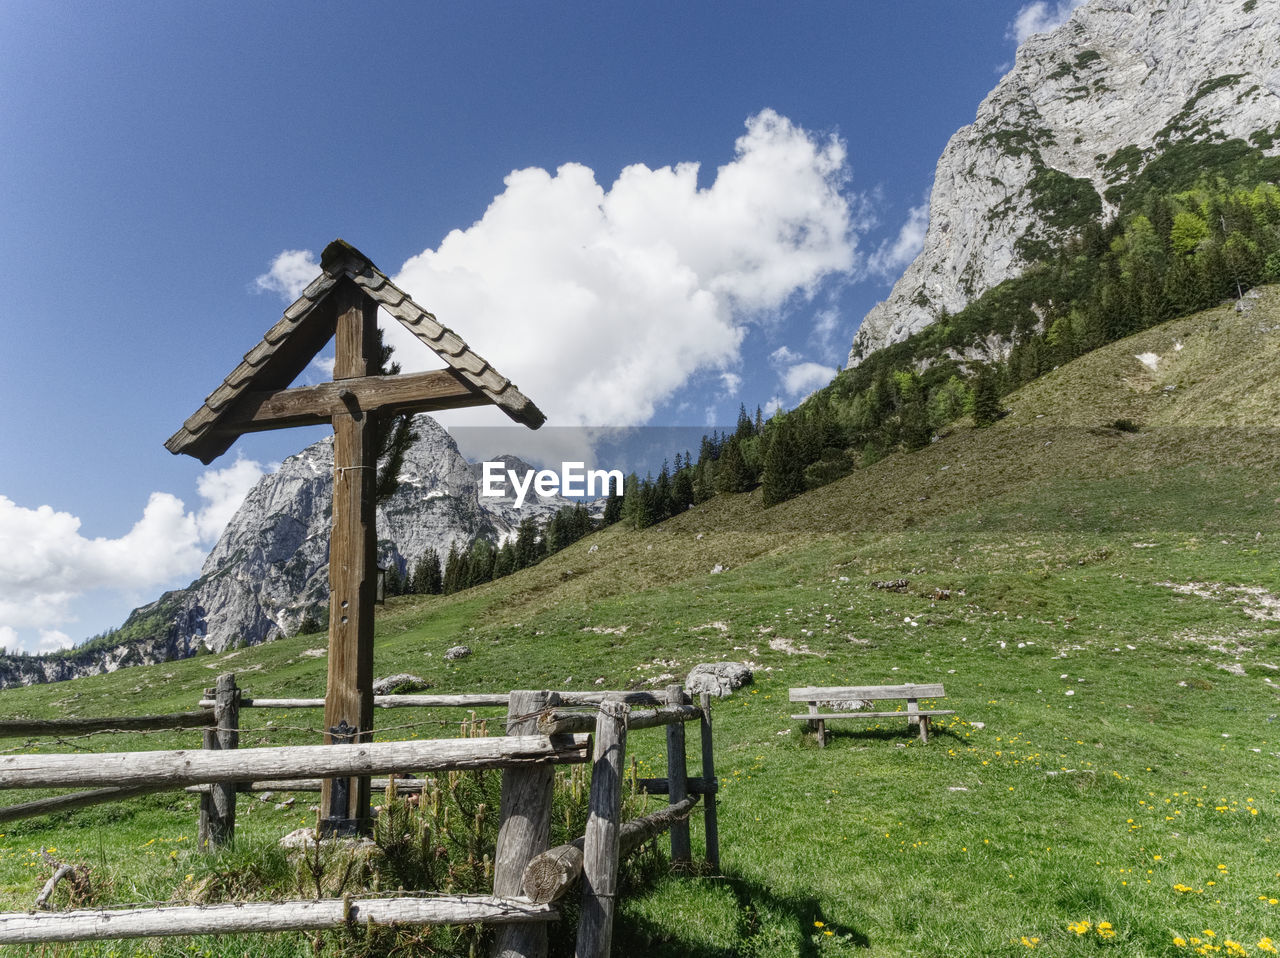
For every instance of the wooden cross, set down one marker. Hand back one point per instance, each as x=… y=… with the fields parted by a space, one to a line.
x=342 y=304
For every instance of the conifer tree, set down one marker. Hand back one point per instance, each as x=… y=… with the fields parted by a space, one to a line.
x=986 y=397
x=783 y=475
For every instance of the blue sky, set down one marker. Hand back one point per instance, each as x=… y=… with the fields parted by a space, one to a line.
x=643 y=214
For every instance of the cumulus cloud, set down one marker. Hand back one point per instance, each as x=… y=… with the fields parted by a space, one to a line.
x=892 y=258
x=1040 y=17
x=801 y=379
x=730 y=383
x=826 y=324
x=602 y=302
x=783 y=355
x=289 y=274
x=223 y=491
x=46 y=564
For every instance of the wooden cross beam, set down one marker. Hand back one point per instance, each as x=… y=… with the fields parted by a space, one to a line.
x=342 y=303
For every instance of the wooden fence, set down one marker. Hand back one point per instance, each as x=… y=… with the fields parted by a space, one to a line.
x=543 y=729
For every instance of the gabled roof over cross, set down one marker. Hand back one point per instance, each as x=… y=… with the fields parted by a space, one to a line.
x=255 y=395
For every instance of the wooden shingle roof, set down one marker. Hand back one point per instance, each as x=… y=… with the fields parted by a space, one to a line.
x=308 y=325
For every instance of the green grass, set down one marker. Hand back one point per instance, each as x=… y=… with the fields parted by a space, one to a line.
x=1080 y=559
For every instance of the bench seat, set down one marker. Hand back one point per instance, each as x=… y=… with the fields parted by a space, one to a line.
x=816 y=696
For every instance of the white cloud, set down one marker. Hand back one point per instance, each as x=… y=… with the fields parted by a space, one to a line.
x=51 y=640
x=772 y=406
x=601 y=303
x=892 y=258
x=1040 y=17
x=803 y=378
x=730 y=383
x=223 y=491
x=290 y=273
x=46 y=564
x=783 y=355
x=825 y=326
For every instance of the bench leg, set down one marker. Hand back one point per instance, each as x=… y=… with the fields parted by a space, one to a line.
x=924 y=729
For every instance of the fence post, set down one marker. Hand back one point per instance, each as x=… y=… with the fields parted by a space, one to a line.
x=218 y=803
x=600 y=841
x=677 y=781
x=524 y=829
x=709 y=816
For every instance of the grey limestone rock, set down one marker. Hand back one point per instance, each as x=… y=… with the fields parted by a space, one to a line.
x=718 y=678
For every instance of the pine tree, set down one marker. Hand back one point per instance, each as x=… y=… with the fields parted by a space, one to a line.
x=731 y=469
x=455 y=572
x=612 y=509
x=394 y=435
x=986 y=397
x=783 y=475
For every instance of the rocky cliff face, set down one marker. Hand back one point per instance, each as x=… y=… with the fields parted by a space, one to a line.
x=1084 y=108
x=269 y=569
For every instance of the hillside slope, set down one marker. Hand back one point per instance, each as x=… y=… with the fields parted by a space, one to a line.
x=1101 y=604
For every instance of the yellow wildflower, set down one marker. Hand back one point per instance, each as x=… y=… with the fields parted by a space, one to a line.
x=1079 y=927
x=1267 y=945
x=1180 y=941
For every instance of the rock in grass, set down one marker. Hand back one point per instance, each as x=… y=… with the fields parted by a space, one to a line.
x=400 y=684
x=457 y=652
x=718 y=678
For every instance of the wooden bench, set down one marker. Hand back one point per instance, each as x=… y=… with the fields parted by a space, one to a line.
x=817 y=720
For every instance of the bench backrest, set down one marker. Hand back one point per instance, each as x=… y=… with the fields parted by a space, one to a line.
x=870 y=693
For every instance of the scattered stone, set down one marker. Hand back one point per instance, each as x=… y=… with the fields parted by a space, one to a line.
x=1235 y=668
x=718 y=678
x=787 y=646
x=718 y=569
x=457 y=652
x=299 y=838
x=266 y=796
x=400 y=683
x=595 y=548
x=891 y=585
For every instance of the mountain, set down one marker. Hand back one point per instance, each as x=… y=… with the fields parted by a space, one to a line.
x=269 y=569
x=1085 y=109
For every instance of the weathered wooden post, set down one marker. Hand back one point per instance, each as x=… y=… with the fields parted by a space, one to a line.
x=524 y=829
x=353 y=564
x=218 y=802
x=600 y=841
x=677 y=781
x=710 y=818
x=342 y=303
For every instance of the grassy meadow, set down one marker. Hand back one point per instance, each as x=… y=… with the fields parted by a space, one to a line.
x=1110 y=641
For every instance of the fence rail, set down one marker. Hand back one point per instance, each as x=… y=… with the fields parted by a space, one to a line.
x=542 y=730
x=176 y=769
x=248 y=917
x=22 y=728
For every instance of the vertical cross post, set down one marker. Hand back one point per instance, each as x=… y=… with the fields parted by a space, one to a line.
x=352 y=561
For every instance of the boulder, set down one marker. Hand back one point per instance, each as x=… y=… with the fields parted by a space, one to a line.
x=401 y=683
x=718 y=678
x=457 y=652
